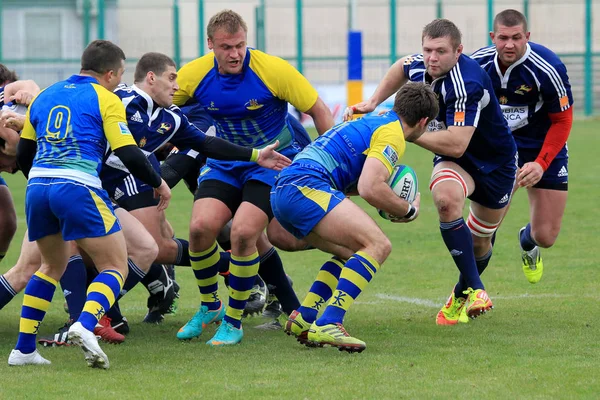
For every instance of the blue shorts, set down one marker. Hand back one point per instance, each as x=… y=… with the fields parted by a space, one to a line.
x=54 y=205
x=2 y=181
x=492 y=190
x=299 y=201
x=556 y=176
x=236 y=173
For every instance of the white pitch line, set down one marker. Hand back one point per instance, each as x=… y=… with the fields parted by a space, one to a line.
x=434 y=304
x=410 y=300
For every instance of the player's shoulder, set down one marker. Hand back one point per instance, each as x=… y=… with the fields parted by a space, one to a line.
x=484 y=54
x=540 y=56
x=413 y=60
x=467 y=70
x=197 y=69
x=265 y=64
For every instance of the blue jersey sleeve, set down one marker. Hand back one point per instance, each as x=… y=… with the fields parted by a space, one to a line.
x=554 y=85
x=462 y=100
x=412 y=62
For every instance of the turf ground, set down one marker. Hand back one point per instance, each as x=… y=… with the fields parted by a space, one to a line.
x=540 y=341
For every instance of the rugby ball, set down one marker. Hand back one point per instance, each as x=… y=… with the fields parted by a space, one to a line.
x=403 y=182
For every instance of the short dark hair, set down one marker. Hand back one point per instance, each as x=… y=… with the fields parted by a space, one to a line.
x=510 y=18
x=155 y=62
x=7 y=75
x=227 y=19
x=439 y=28
x=414 y=101
x=102 y=56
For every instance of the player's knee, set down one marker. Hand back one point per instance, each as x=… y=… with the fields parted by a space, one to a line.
x=144 y=253
x=545 y=238
x=449 y=204
x=202 y=229
x=243 y=236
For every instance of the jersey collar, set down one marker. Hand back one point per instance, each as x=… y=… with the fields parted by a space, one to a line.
x=504 y=78
x=152 y=111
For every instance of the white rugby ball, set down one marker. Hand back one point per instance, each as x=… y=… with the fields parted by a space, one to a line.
x=403 y=182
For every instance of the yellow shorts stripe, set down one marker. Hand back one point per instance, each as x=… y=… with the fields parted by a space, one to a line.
x=45 y=277
x=94 y=308
x=318 y=196
x=36 y=302
x=29 y=325
x=107 y=217
x=102 y=288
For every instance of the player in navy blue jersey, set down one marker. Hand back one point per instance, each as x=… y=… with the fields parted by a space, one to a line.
x=246 y=92
x=533 y=89
x=475 y=157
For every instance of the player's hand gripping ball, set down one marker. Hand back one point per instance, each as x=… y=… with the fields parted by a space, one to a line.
x=403 y=182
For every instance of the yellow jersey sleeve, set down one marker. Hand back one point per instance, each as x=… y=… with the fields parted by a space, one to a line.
x=28 y=131
x=113 y=119
x=387 y=144
x=189 y=77
x=283 y=80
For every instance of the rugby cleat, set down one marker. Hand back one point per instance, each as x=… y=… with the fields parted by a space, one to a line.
x=106 y=332
x=273 y=306
x=204 y=317
x=478 y=302
x=334 y=335
x=452 y=311
x=296 y=326
x=256 y=301
x=275 y=324
x=17 y=358
x=226 y=335
x=94 y=356
x=59 y=338
x=121 y=326
x=533 y=267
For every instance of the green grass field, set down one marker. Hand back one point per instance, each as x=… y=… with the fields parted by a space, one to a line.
x=540 y=341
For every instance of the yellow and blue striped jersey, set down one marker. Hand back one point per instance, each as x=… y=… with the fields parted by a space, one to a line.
x=342 y=151
x=251 y=108
x=74 y=122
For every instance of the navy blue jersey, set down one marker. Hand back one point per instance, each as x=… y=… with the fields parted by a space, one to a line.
x=151 y=126
x=466 y=98
x=534 y=86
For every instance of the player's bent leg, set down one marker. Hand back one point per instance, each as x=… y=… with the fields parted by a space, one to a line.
x=153 y=220
x=284 y=240
x=37 y=299
x=371 y=247
x=141 y=246
x=547 y=208
x=8 y=220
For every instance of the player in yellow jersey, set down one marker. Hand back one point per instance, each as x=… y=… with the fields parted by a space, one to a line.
x=68 y=128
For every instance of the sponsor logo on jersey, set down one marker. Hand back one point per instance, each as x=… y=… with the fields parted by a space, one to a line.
x=212 y=107
x=136 y=117
x=164 y=128
x=390 y=154
x=124 y=128
x=118 y=194
x=504 y=199
x=503 y=100
x=252 y=105
x=516 y=117
x=459 y=117
x=143 y=142
x=523 y=89
x=564 y=101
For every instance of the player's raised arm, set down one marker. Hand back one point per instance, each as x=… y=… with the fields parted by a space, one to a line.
x=393 y=79
x=213 y=147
